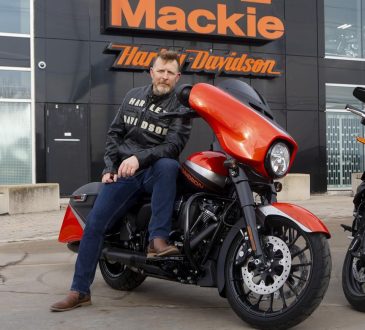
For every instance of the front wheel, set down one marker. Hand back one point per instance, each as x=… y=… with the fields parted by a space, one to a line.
x=353 y=280
x=119 y=276
x=289 y=287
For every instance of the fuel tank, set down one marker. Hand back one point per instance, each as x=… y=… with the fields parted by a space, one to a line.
x=205 y=171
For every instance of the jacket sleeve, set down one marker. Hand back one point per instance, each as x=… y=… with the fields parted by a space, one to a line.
x=175 y=140
x=115 y=137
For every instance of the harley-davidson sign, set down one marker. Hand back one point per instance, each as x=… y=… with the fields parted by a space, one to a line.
x=212 y=18
x=192 y=60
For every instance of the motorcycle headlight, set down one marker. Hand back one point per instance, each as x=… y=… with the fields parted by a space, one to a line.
x=278 y=160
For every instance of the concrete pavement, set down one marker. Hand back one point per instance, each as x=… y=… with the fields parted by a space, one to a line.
x=45 y=225
x=36 y=271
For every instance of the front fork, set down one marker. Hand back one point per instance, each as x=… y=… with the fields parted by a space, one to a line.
x=247 y=204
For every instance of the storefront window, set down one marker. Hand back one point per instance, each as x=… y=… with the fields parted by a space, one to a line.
x=344 y=154
x=15 y=143
x=15 y=16
x=343 y=25
x=14 y=84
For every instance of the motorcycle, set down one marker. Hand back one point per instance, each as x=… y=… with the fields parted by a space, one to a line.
x=270 y=260
x=353 y=270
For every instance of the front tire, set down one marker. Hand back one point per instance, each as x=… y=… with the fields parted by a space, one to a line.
x=353 y=281
x=291 y=286
x=119 y=276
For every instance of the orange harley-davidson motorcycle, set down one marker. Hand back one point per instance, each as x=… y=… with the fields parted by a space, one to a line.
x=270 y=260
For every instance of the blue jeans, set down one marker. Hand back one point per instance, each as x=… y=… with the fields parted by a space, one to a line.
x=111 y=205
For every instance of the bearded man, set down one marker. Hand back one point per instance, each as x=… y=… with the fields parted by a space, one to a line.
x=140 y=156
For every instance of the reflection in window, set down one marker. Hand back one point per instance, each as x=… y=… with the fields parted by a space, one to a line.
x=15 y=16
x=15 y=143
x=343 y=21
x=15 y=84
x=338 y=96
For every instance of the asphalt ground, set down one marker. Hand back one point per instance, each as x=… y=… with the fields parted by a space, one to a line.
x=36 y=270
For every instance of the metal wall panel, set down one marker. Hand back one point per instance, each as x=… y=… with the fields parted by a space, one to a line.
x=301 y=27
x=301 y=83
x=68 y=71
x=66 y=19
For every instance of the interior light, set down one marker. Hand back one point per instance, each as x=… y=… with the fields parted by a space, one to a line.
x=344 y=26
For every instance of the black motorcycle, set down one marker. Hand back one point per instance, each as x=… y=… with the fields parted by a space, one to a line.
x=353 y=271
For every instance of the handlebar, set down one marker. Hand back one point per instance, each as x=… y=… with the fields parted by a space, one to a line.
x=185 y=114
x=183 y=93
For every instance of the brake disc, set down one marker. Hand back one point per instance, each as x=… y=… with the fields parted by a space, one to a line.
x=254 y=279
x=359 y=274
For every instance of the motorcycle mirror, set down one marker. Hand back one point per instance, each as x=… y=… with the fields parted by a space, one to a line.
x=183 y=94
x=359 y=93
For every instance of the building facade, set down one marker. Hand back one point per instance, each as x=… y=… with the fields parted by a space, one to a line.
x=66 y=65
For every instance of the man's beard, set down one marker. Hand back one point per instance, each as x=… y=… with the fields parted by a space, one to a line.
x=161 y=89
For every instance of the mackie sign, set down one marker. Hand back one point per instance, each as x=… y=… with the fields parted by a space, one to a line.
x=237 y=20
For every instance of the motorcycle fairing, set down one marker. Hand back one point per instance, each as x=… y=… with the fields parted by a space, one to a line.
x=72 y=227
x=306 y=220
x=242 y=132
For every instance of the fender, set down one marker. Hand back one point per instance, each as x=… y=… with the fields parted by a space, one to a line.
x=359 y=193
x=306 y=220
x=235 y=230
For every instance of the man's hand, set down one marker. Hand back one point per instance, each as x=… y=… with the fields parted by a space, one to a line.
x=128 y=167
x=109 y=178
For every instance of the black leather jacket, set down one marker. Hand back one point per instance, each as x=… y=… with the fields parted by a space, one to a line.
x=137 y=130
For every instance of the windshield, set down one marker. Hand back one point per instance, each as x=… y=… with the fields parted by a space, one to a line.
x=247 y=95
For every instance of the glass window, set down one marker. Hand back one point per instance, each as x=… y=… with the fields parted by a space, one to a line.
x=338 y=96
x=15 y=16
x=343 y=22
x=344 y=154
x=15 y=143
x=15 y=84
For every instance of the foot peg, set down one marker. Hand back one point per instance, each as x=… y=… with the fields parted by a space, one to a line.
x=346 y=228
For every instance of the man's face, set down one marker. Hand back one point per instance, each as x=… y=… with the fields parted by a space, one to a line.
x=165 y=75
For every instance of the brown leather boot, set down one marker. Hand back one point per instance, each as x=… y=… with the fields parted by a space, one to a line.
x=73 y=299
x=159 y=248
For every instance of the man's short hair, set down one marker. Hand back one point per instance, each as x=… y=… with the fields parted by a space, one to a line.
x=168 y=56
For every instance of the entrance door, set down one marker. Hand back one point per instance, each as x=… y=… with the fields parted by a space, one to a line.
x=67 y=160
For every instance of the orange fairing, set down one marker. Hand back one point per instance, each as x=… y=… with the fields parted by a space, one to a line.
x=242 y=132
x=71 y=229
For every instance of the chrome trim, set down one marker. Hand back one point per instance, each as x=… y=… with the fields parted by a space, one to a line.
x=82 y=199
x=67 y=140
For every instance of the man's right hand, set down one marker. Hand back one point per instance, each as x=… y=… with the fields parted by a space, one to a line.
x=109 y=178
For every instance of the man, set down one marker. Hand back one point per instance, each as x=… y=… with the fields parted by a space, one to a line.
x=141 y=156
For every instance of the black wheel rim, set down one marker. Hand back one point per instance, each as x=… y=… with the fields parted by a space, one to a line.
x=356 y=269
x=251 y=297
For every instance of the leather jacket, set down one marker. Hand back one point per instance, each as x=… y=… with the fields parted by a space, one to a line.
x=137 y=130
